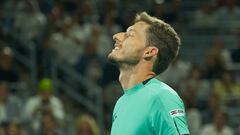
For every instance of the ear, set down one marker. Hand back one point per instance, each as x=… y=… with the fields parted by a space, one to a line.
x=150 y=52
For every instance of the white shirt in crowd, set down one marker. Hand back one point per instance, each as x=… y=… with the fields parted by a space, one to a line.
x=211 y=130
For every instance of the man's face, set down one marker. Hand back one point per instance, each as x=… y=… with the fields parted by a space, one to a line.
x=45 y=96
x=5 y=61
x=129 y=45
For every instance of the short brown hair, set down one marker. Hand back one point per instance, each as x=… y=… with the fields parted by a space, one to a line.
x=162 y=36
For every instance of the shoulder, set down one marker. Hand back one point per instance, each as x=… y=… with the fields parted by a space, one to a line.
x=119 y=102
x=13 y=98
x=207 y=127
x=163 y=97
x=34 y=99
x=33 y=102
x=54 y=99
x=160 y=90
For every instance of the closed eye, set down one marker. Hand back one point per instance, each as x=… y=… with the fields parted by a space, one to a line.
x=130 y=34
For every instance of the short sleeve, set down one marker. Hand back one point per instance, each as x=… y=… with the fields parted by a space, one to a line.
x=168 y=118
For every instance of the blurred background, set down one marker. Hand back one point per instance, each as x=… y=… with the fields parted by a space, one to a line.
x=55 y=78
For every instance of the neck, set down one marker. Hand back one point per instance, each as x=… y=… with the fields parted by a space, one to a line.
x=132 y=75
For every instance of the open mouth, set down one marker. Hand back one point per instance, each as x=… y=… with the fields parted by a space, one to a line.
x=117 y=47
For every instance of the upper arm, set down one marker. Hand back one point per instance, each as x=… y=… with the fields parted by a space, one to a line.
x=168 y=117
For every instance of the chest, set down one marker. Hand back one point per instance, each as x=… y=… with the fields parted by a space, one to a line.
x=132 y=117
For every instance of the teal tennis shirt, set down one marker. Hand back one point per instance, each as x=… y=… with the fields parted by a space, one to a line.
x=149 y=108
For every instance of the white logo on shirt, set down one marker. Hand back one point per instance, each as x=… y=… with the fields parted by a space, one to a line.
x=177 y=112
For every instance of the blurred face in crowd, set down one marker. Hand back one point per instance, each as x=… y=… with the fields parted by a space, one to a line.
x=14 y=129
x=6 y=61
x=86 y=125
x=45 y=95
x=213 y=102
x=227 y=77
x=84 y=129
x=195 y=73
x=3 y=92
x=129 y=45
x=219 y=120
x=158 y=9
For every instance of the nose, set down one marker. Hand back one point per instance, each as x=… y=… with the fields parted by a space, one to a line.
x=118 y=37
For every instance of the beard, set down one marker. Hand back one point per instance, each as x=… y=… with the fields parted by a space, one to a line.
x=124 y=62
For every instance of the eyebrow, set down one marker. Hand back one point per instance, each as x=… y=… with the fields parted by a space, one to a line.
x=130 y=29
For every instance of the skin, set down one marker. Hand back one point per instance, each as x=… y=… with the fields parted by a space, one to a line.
x=14 y=129
x=3 y=93
x=133 y=56
x=5 y=61
x=84 y=129
x=219 y=121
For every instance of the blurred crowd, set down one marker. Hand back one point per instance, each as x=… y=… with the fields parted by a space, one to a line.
x=78 y=33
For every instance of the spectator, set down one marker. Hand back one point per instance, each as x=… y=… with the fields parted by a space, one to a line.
x=33 y=29
x=7 y=71
x=109 y=25
x=226 y=88
x=109 y=9
x=193 y=115
x=177 y=71
x=232 y=55
x=44 y=101
x=9 y=104
x=67 y=43
x=196 y=86
x=86 y=125
x=213 y=104
x=158 y=9
x=89 y=12
x=102 y=41
x=90 y=64
x=215 y=61
x=172 y=15
x=218 y=125
x=111 y=93
x=15 y=128
x=10 y=9
x=229 y=15
x=205 y=16
x=55 y=17
x=49 y=125
x=167 y=11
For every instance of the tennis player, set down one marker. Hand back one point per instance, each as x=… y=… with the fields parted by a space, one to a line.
x=148 y=106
